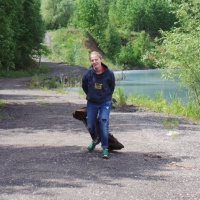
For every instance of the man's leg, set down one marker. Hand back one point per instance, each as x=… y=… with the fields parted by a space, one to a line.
x=92 y=112
x=104 y=123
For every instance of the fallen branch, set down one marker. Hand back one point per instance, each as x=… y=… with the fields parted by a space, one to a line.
x=113 y=143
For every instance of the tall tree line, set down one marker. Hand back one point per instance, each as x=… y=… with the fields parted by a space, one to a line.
x=114 y=24
x=21 y=32
x=94 y=15
x=181 y=49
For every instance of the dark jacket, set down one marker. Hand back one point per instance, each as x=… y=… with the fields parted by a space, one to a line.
x=98 y=87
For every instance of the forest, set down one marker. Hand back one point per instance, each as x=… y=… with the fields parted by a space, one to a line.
x=21 y=32
x=132 y=34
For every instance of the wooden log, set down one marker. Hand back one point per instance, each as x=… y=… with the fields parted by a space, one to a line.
x=113 y=143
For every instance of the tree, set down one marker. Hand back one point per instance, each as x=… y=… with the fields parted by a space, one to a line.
x=150 y=15
x=181 y=49
x=131 y=54
x=31 y=33
x=57 y=13
x=112 y=42
x=7 y=43
x=22 y=32
x=138 y=15
x=92 y=17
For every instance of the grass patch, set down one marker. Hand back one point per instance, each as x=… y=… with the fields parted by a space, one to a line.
x=24 y=73
x=2 y=104
x=43 y=103
x=5 y=118
x=68 y=46
x=120 y=97
x=61 y=91
x=43 y=82
x=4 y=115
x=61 y=82
x=170 y=123
x=159 y=104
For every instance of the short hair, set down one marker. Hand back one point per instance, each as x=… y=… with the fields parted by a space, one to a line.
x=96 y=54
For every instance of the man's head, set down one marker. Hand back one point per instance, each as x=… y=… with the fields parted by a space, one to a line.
x=96 y=59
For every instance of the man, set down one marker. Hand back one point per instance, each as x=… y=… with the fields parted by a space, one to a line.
x=98 y=84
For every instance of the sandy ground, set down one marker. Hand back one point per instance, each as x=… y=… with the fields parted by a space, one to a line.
x=43 y=152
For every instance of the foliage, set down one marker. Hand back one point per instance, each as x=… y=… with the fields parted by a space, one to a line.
x=132 y=54
x=170 y=123
x=22 y=32
x=126 y=55
x=159 y=104
x=111 y=23
x=85 y=14
x=151 y=55
x=2 y=104
x=112 y=42
x=23 y=73
x=57 y=13
x=32 y=35
x=150 y=15
x=7 y=44
x=68 y=46
x=42 y=82
x=61 y=82
x=92 y=17
x=181 y=50
x=120 y=97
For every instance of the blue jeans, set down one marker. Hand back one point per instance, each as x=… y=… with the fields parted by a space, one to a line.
x=102 y=112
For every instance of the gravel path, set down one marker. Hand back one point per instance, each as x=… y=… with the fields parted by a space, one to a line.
x=43 y=152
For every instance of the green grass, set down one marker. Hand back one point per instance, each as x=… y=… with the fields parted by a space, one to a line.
x=159 y=104
x=61 y=91
x=120 y=97
x=170 y=123
x=42 y=82
x=4 y=116
x=2 y=104
x=59 y=83
x=68 y=46
x=24 y=73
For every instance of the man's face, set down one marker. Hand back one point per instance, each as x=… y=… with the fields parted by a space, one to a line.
x=96 y=63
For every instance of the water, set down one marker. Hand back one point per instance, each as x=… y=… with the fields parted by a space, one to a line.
x=149 y=83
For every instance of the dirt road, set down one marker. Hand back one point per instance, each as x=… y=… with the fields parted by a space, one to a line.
x=43 y=152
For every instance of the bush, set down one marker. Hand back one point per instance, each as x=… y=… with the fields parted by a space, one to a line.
x=132 y=54
x=68 y=46
x=120 y=97
x=180 y=50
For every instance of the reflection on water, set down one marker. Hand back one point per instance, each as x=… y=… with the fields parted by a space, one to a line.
x=149 y=83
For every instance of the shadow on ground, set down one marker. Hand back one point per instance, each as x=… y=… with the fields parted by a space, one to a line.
x=72 y=166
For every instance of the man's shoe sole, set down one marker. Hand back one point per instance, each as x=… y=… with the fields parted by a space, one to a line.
x=105 y=157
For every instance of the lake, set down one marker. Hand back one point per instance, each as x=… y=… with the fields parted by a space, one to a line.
x=149 y=83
